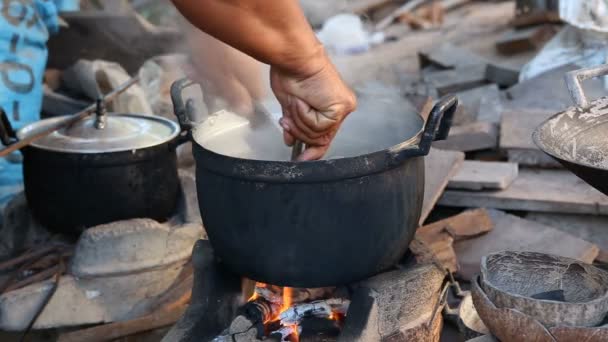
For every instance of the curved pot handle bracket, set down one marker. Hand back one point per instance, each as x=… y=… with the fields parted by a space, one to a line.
x=437 y=127
x=181 y=109
x=7 y=134
x=574 y=81
x=438 y=124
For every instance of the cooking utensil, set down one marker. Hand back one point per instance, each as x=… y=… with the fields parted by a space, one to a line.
x=318 y=223
x=264 y=114
x=555 y=291
x=98 y=169
x=577 y=137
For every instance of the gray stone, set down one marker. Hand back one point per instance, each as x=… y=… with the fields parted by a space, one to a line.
x=132 y=246
x=19 y=230
x=80 y=301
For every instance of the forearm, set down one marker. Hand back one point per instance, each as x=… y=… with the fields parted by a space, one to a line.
x=274 y=32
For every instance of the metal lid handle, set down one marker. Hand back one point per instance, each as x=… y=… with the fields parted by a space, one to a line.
x=576 y=77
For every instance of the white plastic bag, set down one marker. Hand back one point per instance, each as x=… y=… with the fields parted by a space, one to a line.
x=345 y=34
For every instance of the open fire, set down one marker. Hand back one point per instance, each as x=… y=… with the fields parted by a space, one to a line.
x=280 y=313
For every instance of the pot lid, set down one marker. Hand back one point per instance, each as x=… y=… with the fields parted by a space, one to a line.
x=110 y=133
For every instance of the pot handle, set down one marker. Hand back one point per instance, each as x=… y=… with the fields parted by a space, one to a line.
x=437 y=127
x=438 y=124
x=7 y=134
x=181 y=109
x=576 y=77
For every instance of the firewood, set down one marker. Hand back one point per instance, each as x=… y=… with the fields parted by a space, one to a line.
x=414 y=21
x=35 y=278
x=286 y=331
x=108 y=332
x=32 y=254
x=321 y=308
x=269 y=295
x=434 y=242
x=433 y=13
x=407 y=7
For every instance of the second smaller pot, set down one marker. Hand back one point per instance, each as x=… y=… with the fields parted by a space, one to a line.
x=104 y=168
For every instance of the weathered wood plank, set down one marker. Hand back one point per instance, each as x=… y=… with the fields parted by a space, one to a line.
x=591 y=228
x=516 y=234
x=448 y=56
x=459 y=79
x=516 y=131
x=470 y=137
x=439 y=167
x=536 y=190
x=480 y=175
x=433 y=242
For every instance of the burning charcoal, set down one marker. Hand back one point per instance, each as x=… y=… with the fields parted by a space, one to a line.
x=321 y=308
x=285 y=332
x=241 y=329
x=317 y=326
x=304 y=295
x=260 y=310
x=269 y=295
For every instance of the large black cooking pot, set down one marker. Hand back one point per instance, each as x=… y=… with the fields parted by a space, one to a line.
x=578 y=136
x=312 y=224
x=101 y=169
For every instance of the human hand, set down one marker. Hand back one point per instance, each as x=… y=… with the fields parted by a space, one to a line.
x=314 y=105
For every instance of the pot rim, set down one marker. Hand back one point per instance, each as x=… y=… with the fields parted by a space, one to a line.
x=309 y=171
x=28 y=129
x=436 y=127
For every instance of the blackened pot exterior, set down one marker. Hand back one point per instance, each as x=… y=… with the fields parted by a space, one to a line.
x=68 y=192
x=311 y=234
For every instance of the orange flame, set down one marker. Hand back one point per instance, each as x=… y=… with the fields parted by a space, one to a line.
x=285 y=305
x=287 y=298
